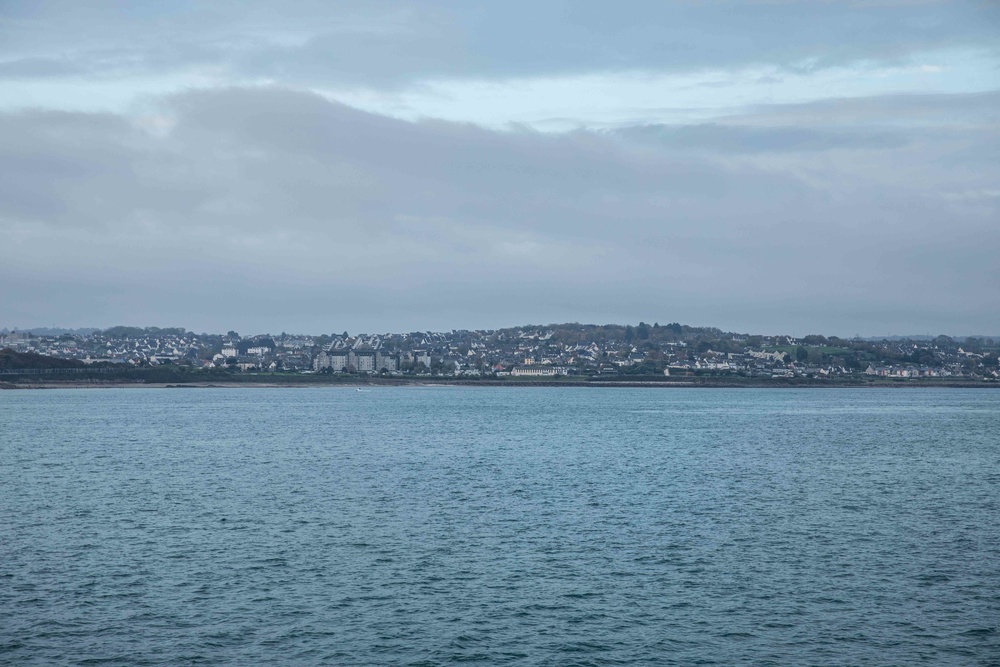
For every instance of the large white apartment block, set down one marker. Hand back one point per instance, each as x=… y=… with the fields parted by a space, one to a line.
x=342 y=360
x=364 y=362
x=389 y=362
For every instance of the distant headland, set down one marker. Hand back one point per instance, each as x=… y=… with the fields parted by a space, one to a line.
x=533 y=355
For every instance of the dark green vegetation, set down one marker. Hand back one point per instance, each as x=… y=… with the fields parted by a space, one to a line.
x=11 y=360
x=135 y=332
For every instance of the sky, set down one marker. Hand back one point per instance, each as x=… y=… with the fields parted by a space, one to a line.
x=762 y=167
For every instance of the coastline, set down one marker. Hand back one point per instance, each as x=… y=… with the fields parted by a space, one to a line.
x=687 y=383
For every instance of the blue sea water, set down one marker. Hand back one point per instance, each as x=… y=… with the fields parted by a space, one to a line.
x=548 y=526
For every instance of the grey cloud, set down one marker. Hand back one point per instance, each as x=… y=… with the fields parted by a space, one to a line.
x=83 y=170
x=385 y=43
x=896 y=110
x=748 y=139
x=31 y=68
x=270 y=208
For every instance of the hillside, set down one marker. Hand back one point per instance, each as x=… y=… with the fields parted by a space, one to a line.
x=11 y=360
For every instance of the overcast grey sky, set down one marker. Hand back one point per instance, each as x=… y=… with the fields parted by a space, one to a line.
x=772 y=167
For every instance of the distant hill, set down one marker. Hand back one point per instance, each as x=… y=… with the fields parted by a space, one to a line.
x=54 y=331
x=139 y=332
x=11 y=360
x=925 y=337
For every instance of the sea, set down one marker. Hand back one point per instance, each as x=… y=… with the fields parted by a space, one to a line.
x=491 y=526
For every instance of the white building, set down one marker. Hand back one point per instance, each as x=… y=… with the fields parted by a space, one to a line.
x=387 y=362
x=363 y=362
x=538 y=371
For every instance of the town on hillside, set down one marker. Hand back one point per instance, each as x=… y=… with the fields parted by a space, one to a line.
x=527 y=352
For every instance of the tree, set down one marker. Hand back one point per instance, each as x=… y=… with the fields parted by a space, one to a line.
x=801 y=354
x=642 y=331
x=944 y=341
x=921 y=356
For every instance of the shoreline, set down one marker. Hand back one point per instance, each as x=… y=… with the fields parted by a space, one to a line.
x=397 y=382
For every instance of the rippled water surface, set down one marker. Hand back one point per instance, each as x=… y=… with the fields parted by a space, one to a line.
x=488 y=525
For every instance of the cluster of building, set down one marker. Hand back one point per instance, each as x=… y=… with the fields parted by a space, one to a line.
x=154 y=347
x=525 y=352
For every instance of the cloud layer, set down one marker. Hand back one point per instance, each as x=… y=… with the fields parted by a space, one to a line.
x=268 y=206
x=319 y=43
x=274 y=170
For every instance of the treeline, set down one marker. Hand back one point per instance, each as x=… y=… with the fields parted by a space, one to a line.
x=140 y=332
x=11 y=360
x=577 y=334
